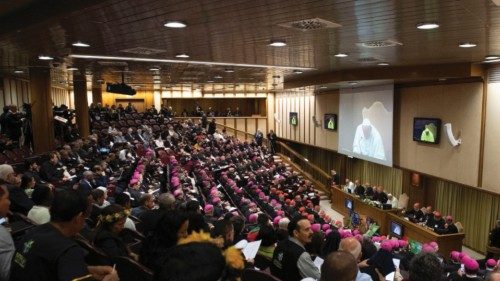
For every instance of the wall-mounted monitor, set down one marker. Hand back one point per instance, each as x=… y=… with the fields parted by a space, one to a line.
x=426 y=130
x=396 y=229
x=348 y=204
x=330 y=121
x=294 y=118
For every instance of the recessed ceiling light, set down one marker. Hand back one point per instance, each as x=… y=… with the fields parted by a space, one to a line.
x=277 y=43
x=341 y=55
x=154 y=68
x=427 y=25
x=18 y=71
x=229 y=70
x=218 y=77
x=323 y=87
x=72 y=69
x=467 y=45
x=210 y=81
x=383 y=63
x=353 y=82
x=182 y=56
x=491 y=57
x=44 y=57
x=297 y=71
x=175 y=24
x=80 y=44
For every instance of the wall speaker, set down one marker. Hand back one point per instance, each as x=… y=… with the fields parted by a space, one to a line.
x=449 y=134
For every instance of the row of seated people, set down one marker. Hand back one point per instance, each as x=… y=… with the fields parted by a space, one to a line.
x=223 y=162
x=425 y=216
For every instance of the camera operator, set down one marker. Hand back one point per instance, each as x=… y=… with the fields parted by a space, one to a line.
x=27 y=125
x=65 y=131
x=13 y=122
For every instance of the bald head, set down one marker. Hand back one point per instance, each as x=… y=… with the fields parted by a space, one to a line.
x=339 y=266
x=352 y=246
x=493 y=276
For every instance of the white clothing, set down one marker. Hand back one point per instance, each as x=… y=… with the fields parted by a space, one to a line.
x=39 y=214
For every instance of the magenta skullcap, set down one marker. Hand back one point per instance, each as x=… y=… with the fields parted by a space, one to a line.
x=395 y=243
x=316 y=227
x=471 y=265
x=252 y=204
x=359 y=237
x=434 y=245
x=280 y=213
x=208 y=208
x=426 y=248
x=376 y=239
x=402 y=243
x=325 y=227
x=252 y=218
x=464 y=257
x=238 y=190
x=491 y=263
x=386 y=245
x=177 y=192
x=355 y=232
x=133 y=181
x=328 y=231
x=213 y=192
x=310 y=217
x=215 y=200
x=276 y=220
x=455 y=256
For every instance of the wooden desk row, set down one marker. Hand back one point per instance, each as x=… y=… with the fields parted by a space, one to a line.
x=383 y=218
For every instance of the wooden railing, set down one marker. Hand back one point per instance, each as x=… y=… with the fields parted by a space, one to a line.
x=320 y=178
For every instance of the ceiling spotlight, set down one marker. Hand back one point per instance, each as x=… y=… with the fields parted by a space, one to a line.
x=18 y=71
x=154 y=68
x=427 y=25
x=467 y=45
x=491 y=57
x=352 y=82
x=323 y=87
x=210 y=81
x=80 y=44
x=44 y=57
x=229 y=70
x=175 y=24
x=341 y=55
x=277 y=43
x=218 y=77
x=182 y=56
x=72 y=68
x=383 y=64
x=297 y=71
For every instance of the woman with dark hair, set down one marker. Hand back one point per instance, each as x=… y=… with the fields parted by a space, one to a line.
x=28 y=183
x=264 y=256
x=224 y=229
x=172 y=226
x=111 y=223
x=332 y=241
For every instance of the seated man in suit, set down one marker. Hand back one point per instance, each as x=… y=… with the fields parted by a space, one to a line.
x=415 y=215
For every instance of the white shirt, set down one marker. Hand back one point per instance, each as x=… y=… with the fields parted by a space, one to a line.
x=371 y=146
x=39 y=214
x=129 y=224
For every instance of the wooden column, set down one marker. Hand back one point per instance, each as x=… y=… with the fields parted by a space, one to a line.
x=81 y=105
x=41 y=109
x=97 y=95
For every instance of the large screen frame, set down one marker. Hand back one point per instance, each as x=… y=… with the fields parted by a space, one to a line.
x=437 y=137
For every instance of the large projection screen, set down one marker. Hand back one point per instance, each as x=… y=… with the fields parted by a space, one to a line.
x=365 y=123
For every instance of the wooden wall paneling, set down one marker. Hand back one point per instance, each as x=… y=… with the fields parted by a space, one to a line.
x=25 y=92
x=305 y=108
x=491 y=161
x=13 y=92
x=2 y=95
x=457 y=104
x=262 y=126
x=241 y=124
x=8 y=91
x=19 y=93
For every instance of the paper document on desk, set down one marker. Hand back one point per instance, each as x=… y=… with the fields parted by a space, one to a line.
x=251 y=249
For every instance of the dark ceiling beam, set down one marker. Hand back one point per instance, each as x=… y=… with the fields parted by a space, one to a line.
x=41 y=12
x=396 y=73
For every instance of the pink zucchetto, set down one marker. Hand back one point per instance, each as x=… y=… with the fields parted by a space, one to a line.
x=455 y=256
x=402 y=243
x=471 y=265
x=328 y=231
x=215 y=200
x=490 y=263
x=208 y=208
x=386 y=245
x=316 y=227
x=276 y=220
x=252 y=218
x=133 y=181
x=325 y=227
x=426 y=248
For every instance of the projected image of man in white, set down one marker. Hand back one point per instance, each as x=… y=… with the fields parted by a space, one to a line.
x=367 y=141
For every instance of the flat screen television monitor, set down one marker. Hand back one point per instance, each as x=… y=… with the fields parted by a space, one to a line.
x=294 y=118
x=330 y=121
x=396 y=229
x=348 y=204
x=426 y=130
